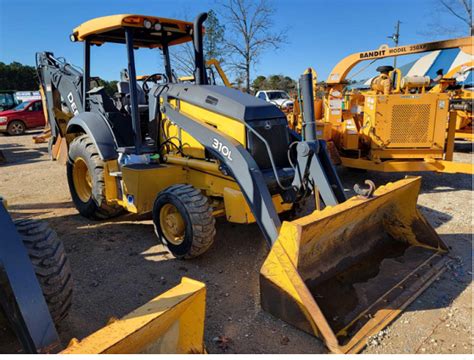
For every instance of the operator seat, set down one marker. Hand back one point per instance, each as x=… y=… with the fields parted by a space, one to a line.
x=123 y=88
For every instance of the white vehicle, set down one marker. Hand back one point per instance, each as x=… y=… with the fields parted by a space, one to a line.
x=278 y=97
x=28 y=95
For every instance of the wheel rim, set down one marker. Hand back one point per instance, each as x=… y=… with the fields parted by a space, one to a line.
x=82 y=179
x=172 y=224
x=16 y=128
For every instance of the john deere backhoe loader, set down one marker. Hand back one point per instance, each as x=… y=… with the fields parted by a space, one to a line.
x=410 y=129
x=190 y=152
x=35 y=285
x=36 y=293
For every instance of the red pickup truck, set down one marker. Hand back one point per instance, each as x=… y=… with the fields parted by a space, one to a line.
x=26 y=115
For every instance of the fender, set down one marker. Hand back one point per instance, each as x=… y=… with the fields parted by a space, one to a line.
x=98 y=130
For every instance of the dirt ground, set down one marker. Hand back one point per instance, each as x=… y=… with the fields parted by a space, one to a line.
x=118 y=265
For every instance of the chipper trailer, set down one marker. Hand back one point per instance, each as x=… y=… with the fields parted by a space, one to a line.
x=191 y=152
x=411 y=128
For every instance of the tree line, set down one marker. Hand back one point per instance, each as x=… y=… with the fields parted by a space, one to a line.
x=19 y=77
x=16 y=76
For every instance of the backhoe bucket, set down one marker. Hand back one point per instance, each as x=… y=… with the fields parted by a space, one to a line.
x=344 y=273
x=171 y=323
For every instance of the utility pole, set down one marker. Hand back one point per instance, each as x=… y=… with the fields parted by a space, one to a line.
x=395 y=37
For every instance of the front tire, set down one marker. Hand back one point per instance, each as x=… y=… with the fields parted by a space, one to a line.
x=183 y=221
x=85 y=175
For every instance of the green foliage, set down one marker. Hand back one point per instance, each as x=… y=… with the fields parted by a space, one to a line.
x=274 y=82
x=214 y=38
x=213 y=45
x=16 y=76
x=110 y=87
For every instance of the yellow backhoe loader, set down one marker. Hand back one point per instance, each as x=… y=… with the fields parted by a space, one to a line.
x=411 y=128
x=191 y=152
x=36 y=296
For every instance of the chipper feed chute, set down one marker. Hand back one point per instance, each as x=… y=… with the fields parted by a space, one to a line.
x=344 y=273
x=171 y=323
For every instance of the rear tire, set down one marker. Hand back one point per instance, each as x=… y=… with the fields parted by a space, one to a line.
x=16 y=127
x=50 y=264
x=183 y=221
x=85 y=175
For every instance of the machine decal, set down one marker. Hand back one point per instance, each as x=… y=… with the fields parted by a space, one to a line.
x=224 y=150
x=74 y=109
x=372 y=54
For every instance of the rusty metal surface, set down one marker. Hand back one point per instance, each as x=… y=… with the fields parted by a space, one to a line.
x=344 y=273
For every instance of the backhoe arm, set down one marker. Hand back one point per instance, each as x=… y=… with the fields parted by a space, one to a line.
x=60 y=83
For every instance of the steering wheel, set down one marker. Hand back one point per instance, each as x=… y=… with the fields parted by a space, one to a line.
x=154 y=78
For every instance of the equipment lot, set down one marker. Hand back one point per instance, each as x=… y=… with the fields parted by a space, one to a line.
x=118 y=265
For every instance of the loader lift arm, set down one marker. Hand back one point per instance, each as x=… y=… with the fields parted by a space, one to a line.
x=313 y=168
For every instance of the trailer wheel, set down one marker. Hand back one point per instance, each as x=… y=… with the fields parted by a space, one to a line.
x=50 y=263
x=183 y=221
x=85 y=175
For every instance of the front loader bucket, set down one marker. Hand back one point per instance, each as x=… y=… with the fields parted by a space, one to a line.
x=171 y=323
x=344 y=273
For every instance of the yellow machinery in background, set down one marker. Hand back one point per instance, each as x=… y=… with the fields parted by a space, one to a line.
x=410 y=129
x=461 y=100
x=192 y=152
x=212 y=66
x=171 y=323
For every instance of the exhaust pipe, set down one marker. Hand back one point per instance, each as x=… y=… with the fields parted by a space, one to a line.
x=309 y=125
x=200 y=70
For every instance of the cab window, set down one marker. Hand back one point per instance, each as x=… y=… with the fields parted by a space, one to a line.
x=7 y=100
x=37 y=106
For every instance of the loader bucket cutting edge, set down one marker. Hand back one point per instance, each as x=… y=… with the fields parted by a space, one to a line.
x=344 y=273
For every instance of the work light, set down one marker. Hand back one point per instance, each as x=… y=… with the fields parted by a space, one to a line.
x=147 y=24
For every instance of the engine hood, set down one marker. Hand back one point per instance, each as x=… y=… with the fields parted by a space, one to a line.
x=225 y=101
x=10 y=112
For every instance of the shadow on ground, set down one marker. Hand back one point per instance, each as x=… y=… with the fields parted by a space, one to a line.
x=16 y=154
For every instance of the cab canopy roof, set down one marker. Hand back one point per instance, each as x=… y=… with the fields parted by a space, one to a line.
x=149 y=31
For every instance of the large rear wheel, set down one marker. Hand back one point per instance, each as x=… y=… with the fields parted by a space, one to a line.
x=85 y=175
x=183 y=221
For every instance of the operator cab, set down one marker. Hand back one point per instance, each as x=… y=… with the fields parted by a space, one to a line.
x=135 y=116
x=128 y=112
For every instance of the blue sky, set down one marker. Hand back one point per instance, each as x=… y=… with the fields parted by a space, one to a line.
x=320 y=33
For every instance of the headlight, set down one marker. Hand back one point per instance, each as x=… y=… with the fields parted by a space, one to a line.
x=147 y=24
x=3 y=119
x=157 y=26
